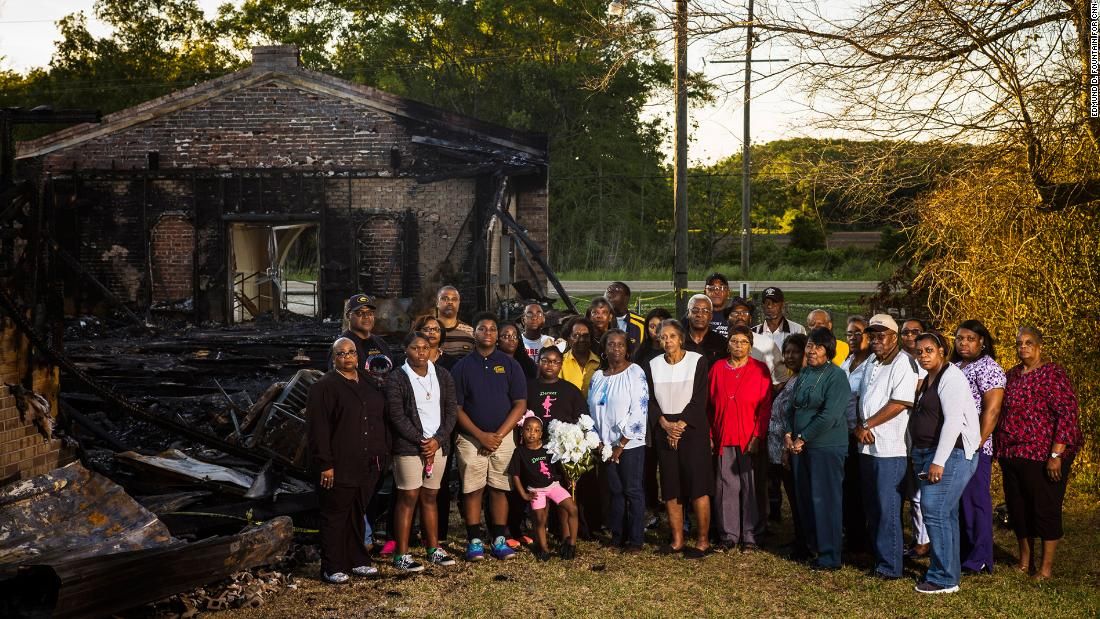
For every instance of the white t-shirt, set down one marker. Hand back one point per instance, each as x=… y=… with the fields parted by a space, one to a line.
x=534 y=346
x=883 y=382
x=766 y=351
x=673 y=384
x=427 y=392
x=779 y=335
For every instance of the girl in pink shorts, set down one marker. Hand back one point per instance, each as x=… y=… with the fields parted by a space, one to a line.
x=536 y=479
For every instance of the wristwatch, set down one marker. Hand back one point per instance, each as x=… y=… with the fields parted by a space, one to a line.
x=865 y=424
x=1055 y=455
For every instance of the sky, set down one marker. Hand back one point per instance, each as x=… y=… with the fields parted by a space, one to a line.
x=28 y=33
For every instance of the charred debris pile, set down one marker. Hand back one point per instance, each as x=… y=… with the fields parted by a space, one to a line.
x=191 y=488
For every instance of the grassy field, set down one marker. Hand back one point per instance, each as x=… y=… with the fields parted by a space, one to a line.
x=848 y=271
x=601 y=582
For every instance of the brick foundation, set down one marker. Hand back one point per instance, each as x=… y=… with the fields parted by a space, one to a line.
x=23 y=451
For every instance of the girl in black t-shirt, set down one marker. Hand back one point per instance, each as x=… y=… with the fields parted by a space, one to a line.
x=536 y=478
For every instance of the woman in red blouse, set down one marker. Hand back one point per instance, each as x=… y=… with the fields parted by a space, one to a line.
x=739 y=407
x=1035 y=442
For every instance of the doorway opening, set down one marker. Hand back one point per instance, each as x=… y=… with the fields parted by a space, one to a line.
x=274 y=270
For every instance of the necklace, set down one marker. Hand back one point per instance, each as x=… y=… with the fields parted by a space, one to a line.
x=738 y=375
x=427 y=388
x=801 y=400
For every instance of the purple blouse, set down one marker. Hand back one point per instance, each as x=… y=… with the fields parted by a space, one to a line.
x=983 y=374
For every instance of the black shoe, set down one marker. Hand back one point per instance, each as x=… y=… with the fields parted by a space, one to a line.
x=542 y=555
x=667 y=549
x=724 y=546
x=631 y=549
x=567 y=552
x=817 y=567
x=877 y=575
x=691 y=552
x=749 y=547
x=800 y=555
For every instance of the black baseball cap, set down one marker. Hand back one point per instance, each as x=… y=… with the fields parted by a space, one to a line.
x=360 y=300
x=719 y=277
x=773 y=293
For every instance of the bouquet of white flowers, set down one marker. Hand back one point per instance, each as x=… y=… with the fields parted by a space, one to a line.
x=573 y=445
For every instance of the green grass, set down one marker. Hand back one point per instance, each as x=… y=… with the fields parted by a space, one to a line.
x=847 y=271
x=603 y=583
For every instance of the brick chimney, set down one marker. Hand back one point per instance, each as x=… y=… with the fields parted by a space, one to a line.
x=275 y=57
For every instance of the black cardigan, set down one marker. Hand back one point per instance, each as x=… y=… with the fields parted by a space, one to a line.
x=345 y=423
x=695 y=413
x=404 y=420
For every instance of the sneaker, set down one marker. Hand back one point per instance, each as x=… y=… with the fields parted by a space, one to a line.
x=514 y=544
x=475 y=550
x=927 y=587
x=405 y=563
x=438 y=556
x=364 y=570
x=501 y=550
x=651 y=522
x=388 y=548
x=338 y=578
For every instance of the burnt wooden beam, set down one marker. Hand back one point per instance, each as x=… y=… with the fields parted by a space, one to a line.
x=101 y=585
x=536 y=253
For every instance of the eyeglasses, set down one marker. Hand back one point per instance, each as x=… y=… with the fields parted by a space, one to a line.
x=340 y=354
x=740 y=343
x=741 y=312
x=910 y=332
x=431 y=330
x=853 y=333
x=509 y=337
x=700 y=310
x=363 y=313
x=716 y=288
x=549 y=361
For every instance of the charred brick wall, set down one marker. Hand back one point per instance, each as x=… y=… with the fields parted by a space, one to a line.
x=269 y=125
x=23 y=451
x=173 y=248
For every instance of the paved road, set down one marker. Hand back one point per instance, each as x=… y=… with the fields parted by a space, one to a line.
x=578 y=287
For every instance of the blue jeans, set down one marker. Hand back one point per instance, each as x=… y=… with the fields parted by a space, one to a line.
x=939 y=502
x=818 y=479
x=883 y=489
x=626 y=489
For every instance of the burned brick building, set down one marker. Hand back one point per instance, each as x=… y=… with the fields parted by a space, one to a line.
x=278 y=189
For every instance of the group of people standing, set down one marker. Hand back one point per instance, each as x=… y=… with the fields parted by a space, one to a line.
x=719 y=416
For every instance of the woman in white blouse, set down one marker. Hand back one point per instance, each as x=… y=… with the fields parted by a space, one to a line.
x=678 y=417
x=618 y=399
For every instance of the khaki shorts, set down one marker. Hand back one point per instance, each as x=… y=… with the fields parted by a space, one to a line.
x=476 y=470
x=409 y=474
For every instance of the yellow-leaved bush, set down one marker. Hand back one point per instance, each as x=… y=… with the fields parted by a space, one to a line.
x=986 y=253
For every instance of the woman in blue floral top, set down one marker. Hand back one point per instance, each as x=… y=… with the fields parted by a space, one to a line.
x=975 y=356
x=618 y=399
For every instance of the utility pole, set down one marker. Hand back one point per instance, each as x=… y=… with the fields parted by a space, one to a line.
x=746 y=152
x=680 y=164
x=746 y=155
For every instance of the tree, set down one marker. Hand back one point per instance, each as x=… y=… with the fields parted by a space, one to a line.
x=983 y=257
x=156 y=46
x=1010 y=74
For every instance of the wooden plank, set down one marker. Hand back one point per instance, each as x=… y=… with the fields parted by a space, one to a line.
x=102 y=585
